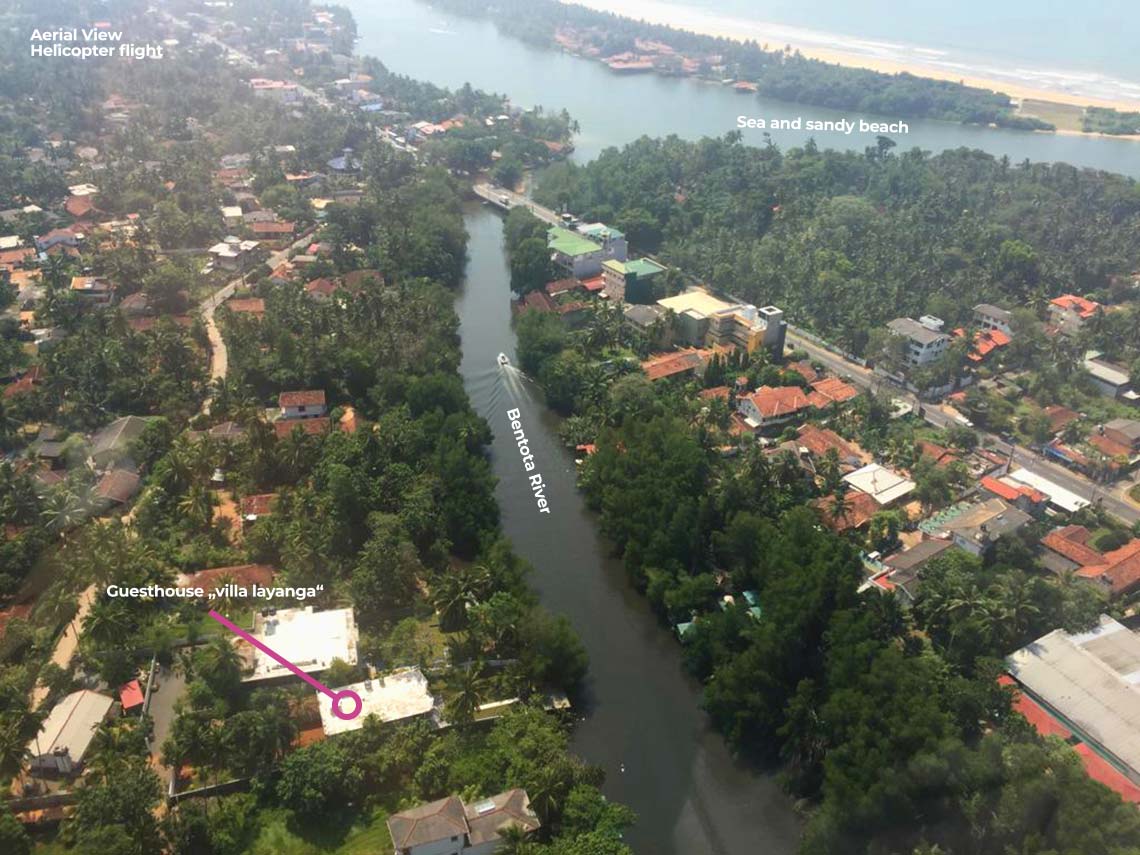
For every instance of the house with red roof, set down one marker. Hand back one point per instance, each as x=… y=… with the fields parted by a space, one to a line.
x=688 y=362
x=1069 y=312
x=254 y=306
x=310 y=427
x=985 y=343
x=770 y=406
x=855 y=513
x=1116 y=572
x=1028 y=499
x=307 y=404
x=245 y=575
x=817 y=441
x=831 y=391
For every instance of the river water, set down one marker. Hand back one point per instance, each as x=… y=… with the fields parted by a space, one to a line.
x=642 y=714
x=641 y=717
x=412 y=38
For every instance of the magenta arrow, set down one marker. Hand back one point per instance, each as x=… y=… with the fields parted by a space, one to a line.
x=337 y=697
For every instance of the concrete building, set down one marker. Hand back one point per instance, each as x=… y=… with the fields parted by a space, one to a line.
x=989 y=317
x=924 y=343
x=309 y=404
x=700 y=319
x=234 y=254
x=93 y=290
x=450 y=827
x=396 y=696
x=309 y=639
x=1089 y=682
x=1110 y=379
x=581 y=256
x=885 y=485
x=64 y=737
x=631 y=281
x=978 y=527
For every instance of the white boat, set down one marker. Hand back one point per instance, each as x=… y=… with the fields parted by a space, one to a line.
x=502 y=359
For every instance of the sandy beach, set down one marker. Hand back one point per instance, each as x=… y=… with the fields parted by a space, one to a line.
x=776 y=36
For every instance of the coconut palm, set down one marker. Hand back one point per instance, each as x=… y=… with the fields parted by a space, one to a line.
x=470 y=691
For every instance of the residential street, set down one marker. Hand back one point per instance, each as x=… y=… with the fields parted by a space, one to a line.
x=1111 y=499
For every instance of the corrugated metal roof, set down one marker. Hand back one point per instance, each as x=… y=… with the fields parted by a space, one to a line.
x=1089 y=679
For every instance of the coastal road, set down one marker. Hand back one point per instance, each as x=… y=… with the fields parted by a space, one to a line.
x=1111 y=500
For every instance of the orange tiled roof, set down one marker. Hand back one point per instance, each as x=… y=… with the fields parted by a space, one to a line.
x=834 y=390
x=671 y=364
x=1073 y=303
x=776 y=401
x=858 y=508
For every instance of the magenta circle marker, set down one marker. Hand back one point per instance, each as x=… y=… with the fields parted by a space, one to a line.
x=337 y=697
x=346 y=697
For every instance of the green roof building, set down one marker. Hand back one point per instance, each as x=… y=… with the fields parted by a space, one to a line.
x=631 y=281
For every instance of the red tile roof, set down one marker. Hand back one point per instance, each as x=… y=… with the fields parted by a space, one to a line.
x=246 y=305
x=130 y=695
x=716 y=393
x=835 y=390
x=1060 y=417
x=1099 y=769
x=804 y=369
x=1012 y=492
x=79 y=206
x=937 y=454
x=776 y=401
x=1044 y=723
x=1118 y=570
x=311 y=427
x=306 y=398
x=596 y=283
x=818 y=440
x=562 y=286
x=321 y=286
x=671 y=364
x=271 y=228
x=537 y=301
x=258 y=505
x=858 y=508
x=1072 y=543
x=1109 y=447
x=1073 y=303
x=239 y=574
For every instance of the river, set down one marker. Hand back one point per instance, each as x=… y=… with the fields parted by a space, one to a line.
x=412 y=38
x=642 y=713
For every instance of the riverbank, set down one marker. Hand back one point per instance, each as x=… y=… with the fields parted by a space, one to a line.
x=869 y=55
x=641 y=718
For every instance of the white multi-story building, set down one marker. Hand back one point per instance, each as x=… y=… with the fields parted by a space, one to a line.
x=925 y=344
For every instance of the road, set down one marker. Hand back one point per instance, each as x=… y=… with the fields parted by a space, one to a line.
x=219 y=358
x=1112 y=500
x=495 y=195
x=68 y=642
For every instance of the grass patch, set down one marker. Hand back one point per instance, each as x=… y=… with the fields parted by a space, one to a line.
x=362 y=835
x=1067 y=117
x=1134 y=494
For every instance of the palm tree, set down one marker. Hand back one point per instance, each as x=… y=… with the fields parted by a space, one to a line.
x=514 y=840
x=469 y=694
x=456 y=591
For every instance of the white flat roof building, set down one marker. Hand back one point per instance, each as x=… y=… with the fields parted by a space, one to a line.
x=1090 y=679
x=1064 y=499
x=390 y=697
x=310 y=640
x=883 y=485
x=67 y=732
